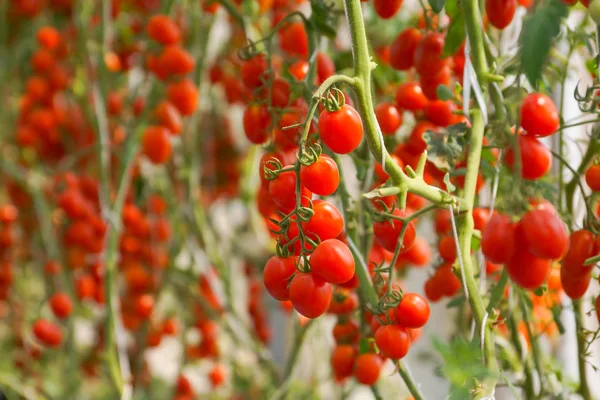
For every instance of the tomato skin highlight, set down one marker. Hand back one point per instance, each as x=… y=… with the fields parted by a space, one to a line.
x=393 y=341
x=333 y=262
x=342 y=130
x=310 y=295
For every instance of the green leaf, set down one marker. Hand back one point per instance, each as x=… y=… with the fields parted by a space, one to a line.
x=444 y=92
x=437 y=5
x=323 y=18
x=364 y=346
x=456 y=302
x=453 y=9
x=539 y=31
x=455 y=37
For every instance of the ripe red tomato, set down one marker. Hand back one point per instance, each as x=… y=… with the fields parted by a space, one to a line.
x=163 y=30
x=402 y=50
x=430 y=83
x=156 y=144
x=574 y=286
x=283 y=191
x=413 y=311
x=536 y=159
x=344 y=301
x=383 y=175
x=441 y=112
x=409 y=96
x=293 y=40
x=174 y=60
x=48 y=37
x=310 y=295
x=61 y=305
x=393 y=341
x=257 y=120
x=388 y=117
x=47 y=332
x=480 y=217
x=447 y=248
x=183 y=95
x=341 y=130
x=326 y=223
x=342 y=361
x=582 y=245
x=321 y=177
x=500 y=13
x=387 y=233
x=332 y=261
x=277 y=275
x=544 y=234
x=415 y=141
x=325 y=67
x=428 y=54
x=367 y=368
x=346 y=332
x=539 y=116
x=592 y=177
x=144 y=305
x=527 y=270
x=498 y=239
x=254 y=71
x=168 y=116
x=386 y=9
x=597 y=305
x=419 y=254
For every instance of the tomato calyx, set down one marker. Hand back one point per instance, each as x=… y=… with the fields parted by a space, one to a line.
x=334 y=100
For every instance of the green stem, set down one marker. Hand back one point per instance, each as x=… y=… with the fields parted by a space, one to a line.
x=584 y=388
x=295 y=353
x=592 y=151
x=408 y=380
x=516 y=340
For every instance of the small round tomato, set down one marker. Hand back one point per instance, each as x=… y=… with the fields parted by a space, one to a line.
x=498 y=239
x=480 y=217
x=342 y=361
x=393 y=341
x=582 y=245
x=310 y=295
x=156 y=144
x=544 y=234
x=325 y=67
x=419 y=254
x=527 y=270
x=277 y=275
x=441 y=112
x=574 y=286
x=433 y=289
x=388 y=117
x=402 y=50
x=430 y=83
x=386 y=9
x=321 y=177
x=413 y=311
x=536 y=159
x=500 y=13
x=293 y=40
x=341 y=130
x=539 y=116
x=47 y=332
x=409 y=96
x=367 y=368
x=183 y=95
x=168 y=116
x=592 y=177
x=254 y=71
x=332 y=261
x=61 y=305
x=387 y=233
x=162 y=29
x=257 y=121
x=428 y=54
x=326 y=223
x=447 y=248
x=415 y=141
x=283 y=191
x=346 y=332
x=144 y=305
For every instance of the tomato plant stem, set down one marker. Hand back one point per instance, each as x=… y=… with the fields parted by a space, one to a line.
x=408 y=380
x=584 y=387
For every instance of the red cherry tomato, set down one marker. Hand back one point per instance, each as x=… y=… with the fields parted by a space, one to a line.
x=342 y=361
x=592 y=177
x=500 y=13
x=322 y=177
x=402 y=50
x=341 y=130
x=413 y=311
x=428 y=54
x=332 y=261
x=527 y=270
x=536 y=159
x=441 y=112
x=253 y=71
x=283 y=191
x=277 y=275
x=257 y=121
x=393 y=341
x=582 y=245
x=539 y=116
x=47 y=332
x=498 y=239
x=574 y=286
x=326 y=223
x=310 y=295
x=544 y=234
x=61 y=305
x=409 y=96
x=386 y=9
x=367 y=368
x=387 y=233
